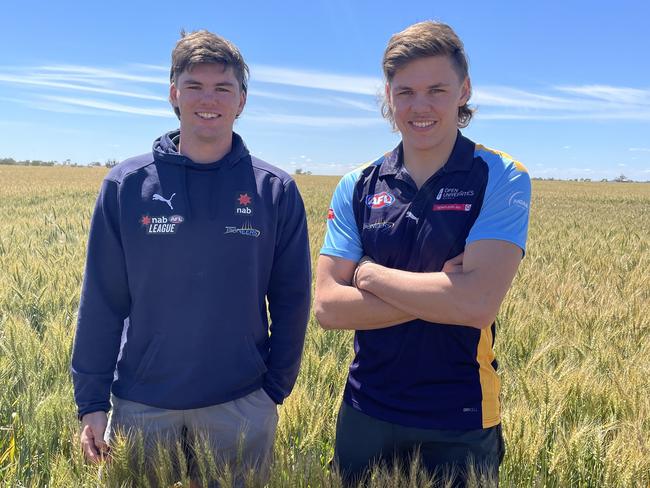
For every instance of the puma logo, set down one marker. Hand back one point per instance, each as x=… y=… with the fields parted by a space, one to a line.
x=410 y=215
x=162 y=199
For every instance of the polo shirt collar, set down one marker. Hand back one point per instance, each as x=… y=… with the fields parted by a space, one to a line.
x=460 y=159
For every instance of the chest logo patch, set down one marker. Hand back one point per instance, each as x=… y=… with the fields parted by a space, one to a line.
x=451 y=193
x=244 y=230
x=378 y=225
x=160 y=198
x=243 y=203
x=161 y=225
x=380 y=200
x=452 y=207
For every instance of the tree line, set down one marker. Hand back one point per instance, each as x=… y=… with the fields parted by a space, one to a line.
x=109 y=163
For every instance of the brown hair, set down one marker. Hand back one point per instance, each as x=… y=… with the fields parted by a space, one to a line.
x=422 y=40
x=203 y=46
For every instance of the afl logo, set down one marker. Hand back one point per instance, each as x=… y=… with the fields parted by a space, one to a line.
x=176 y=219
x=380 y=200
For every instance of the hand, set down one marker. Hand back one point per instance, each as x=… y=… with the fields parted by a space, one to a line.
x=355 y=277
x=93 y=426
x=454 y=265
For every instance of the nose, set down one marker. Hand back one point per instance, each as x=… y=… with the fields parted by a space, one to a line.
x=208 y=96
x=420 y=103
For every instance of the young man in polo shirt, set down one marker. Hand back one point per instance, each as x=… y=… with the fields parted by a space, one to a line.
x=187 y=245
x=421 y=247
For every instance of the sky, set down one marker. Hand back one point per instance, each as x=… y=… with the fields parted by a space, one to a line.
x=562 y=86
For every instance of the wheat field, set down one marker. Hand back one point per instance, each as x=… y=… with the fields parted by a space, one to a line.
x=573 y=343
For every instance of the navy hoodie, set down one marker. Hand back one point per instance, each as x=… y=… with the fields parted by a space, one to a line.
x=182 y=261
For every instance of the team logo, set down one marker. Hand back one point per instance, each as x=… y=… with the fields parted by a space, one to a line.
x=453 y=207
x=160 y=198
x=330 y=214
x=515 y=199
x=451 y=193
x=380 y=200
x=162 y=224
x=245 y=230
x=378 y=225
x=243 y=203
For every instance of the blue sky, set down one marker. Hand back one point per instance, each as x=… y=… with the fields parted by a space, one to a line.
x=562 y=86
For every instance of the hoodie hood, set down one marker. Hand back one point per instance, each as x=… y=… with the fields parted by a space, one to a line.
x=165 y=149
x=177 y=166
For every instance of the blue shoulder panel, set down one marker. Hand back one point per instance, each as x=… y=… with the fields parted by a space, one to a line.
x=504 y=214
x=342 y=239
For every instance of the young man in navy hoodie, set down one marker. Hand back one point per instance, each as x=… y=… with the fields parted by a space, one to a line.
x=442 y=224
x=188 y=243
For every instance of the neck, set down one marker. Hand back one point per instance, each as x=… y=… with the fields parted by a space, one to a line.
x=423 y=163
x=204 y=152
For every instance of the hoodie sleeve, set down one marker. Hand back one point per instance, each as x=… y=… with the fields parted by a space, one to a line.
x=104 y=305
x=288 y=295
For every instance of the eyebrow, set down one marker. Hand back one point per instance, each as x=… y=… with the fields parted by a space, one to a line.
x=435 y=85
x=197 y=82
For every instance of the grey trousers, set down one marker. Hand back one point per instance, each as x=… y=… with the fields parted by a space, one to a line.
x=231 y=441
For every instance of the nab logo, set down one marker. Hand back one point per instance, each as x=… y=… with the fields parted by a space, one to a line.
x=243 y=203
x=380 y=200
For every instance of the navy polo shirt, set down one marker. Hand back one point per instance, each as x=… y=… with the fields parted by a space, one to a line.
x=422 y=374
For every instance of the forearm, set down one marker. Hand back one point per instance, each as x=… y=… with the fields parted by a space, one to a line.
x=346 y=307
x=289 y=319
x=447 y=298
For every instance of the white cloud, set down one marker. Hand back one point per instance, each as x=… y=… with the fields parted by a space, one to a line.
x=362 y=85
x=319 y=102
x=639 y=149
x=111 y=107
x=92 y=73
x=614 y=94
x=74 y=87
x=314 y=121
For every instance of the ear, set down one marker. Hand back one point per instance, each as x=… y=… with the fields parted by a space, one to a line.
x=242 y=103
x=173 y=95
x=387 y=92
x=465 y=91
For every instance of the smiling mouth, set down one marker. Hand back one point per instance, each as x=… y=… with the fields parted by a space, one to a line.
x=422 y=124
x=207 y=115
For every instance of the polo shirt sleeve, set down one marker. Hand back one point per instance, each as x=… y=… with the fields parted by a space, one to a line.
x=504 y=214
x=342 y=238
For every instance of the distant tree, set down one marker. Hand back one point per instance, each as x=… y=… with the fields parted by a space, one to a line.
x=300 y=171
x=95 y=163
x=622 y=179
x=110 y=163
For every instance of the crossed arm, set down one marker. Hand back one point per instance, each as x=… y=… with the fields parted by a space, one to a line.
x=468 y=291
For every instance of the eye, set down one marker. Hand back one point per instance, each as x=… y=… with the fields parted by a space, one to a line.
x=404 y=92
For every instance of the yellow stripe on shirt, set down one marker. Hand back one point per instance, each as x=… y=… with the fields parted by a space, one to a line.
x=490 y=383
